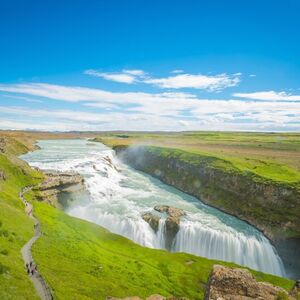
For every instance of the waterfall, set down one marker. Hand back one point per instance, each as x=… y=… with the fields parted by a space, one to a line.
x=119 y=195
x=251 y=251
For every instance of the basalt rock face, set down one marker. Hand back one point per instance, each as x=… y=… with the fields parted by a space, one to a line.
x=239 y=284
x=270 y=207
x=58 y=182
x=172 y=222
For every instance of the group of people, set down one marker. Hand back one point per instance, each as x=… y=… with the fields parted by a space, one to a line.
x=31 y=268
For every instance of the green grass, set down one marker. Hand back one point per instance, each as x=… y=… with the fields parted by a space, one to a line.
x=15 y=230
x=81 y=260
x=266 y=156
x=261 y=170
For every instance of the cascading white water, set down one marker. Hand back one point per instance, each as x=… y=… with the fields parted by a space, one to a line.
x=119 y=195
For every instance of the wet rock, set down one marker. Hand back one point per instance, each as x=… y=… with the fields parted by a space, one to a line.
x=172 y=223
x=162 y=208
x=235 y=284
x=171 y=211
x=152 y=220
x=172 y=227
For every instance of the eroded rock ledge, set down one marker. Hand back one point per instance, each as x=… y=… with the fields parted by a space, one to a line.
x=57 y=182
x=172 y=222
x=239 y=284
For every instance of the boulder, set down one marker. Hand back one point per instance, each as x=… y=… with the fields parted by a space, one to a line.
x=172 y=227
x=152 y=220
x=239 y=284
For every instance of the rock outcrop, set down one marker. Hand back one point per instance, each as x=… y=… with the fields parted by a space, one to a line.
x=57 y=182
x=239 y=284
x=152 y=220
x=172 y=223
x=171 y=211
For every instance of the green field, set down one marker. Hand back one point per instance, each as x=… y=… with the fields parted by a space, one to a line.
x=15 y=227
x=271 y=156
x=81 y=260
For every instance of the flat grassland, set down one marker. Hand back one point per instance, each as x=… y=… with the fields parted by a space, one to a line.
x=271 y=156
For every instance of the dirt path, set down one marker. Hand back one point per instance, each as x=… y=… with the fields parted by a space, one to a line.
x=38 y=281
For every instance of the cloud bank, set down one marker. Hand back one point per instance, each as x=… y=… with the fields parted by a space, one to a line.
x=269 y=96
x=144 y=111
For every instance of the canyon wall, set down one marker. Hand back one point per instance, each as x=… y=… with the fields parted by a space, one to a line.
x=271 y=207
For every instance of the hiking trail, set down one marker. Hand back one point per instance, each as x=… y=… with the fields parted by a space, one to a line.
x=40 y=285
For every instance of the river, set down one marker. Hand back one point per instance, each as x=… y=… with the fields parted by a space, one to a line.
x=118 y=196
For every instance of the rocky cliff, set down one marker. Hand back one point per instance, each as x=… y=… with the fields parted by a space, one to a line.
x=239 y=284
x=55 y=183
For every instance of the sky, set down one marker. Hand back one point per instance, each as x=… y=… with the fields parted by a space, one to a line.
x=150 y=65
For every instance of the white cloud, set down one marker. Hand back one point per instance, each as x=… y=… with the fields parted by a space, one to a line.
x=125 y=76
x=203 y=82
x=134 y=72
x=178 y=81
x=118 y=77
x=178 y=71
x=148 y=111
x=269 y=96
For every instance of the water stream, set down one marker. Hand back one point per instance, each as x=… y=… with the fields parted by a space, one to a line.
x=119 y=195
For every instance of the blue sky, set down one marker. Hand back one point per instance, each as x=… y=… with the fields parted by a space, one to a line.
x=150 y=65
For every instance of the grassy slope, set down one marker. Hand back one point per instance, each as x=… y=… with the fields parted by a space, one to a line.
x=274 y=157
x=81 y=260
x=15 y=227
